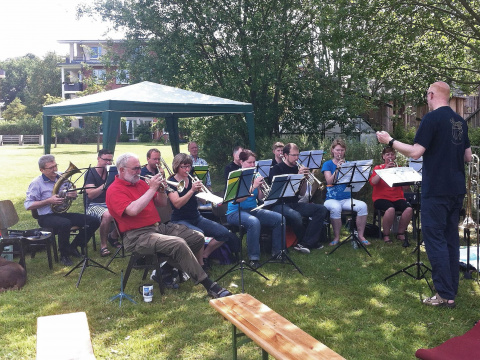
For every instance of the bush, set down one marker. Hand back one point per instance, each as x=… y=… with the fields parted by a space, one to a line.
x=30 y=126
x=474 y=136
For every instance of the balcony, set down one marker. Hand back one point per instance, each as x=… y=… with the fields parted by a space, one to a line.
x=73 y=86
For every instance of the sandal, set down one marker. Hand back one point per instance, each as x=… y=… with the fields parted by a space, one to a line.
x=386 y=239
x=334 y=242
x=365 y=242
x=437 y=300
x=104 y=252
x=219 y=293
x=114 y=242
x=405 y=243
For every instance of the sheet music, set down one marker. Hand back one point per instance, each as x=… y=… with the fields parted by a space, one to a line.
x=357 y=178
x=399 y=176
x=238 y=184
x=201 y=172
x=263 y=167
x=214 y=199
x=311 y=159
x=416 y=164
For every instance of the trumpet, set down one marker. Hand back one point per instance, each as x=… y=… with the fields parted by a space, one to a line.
x=264 y=186
x=311 y=178
x=205 y=193
x=179 y=185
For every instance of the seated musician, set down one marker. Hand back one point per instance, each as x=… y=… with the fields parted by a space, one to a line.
x=235 y=164
x=184 y=205
x=390 y=199
x=196 y=160
x=132 y=203
x=277 y=153
x=40 y=197
x=337 y=198
x=153 y=163
x=253 y=218
x=95 y=180
x=312 y=236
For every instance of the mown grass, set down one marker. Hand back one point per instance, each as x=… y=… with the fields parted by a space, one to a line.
x=342 y=300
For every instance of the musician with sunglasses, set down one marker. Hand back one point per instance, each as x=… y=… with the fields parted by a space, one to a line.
x=185 y=209
x=95 y=179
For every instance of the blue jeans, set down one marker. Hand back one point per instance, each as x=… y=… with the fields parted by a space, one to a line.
x=253 y=220
x=212 y=229
x=294 y=213
x=440 y=217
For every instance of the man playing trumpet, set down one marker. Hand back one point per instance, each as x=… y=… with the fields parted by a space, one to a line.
x=153 y=163
x=132 y=203
x=39 y=197
x=390 y=199
x=310 y=237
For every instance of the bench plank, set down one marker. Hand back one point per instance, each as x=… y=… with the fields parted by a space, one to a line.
x=64 y=336
x=272 y=332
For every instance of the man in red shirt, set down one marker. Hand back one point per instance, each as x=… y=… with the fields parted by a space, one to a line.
x=132 y=204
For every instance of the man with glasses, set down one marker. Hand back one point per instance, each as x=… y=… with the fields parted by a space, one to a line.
x=196 y=160
x=442 y=139
x=39 y=197
x=132 y=203
x=153 y=163
x=95 y=180
x=311 y=237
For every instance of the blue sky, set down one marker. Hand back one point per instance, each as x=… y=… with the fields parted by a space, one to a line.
x=34 y=26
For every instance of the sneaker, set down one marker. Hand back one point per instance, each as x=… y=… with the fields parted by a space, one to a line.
x=254 y=264
x=66 y=261
x=301 y=249
x=318 y=246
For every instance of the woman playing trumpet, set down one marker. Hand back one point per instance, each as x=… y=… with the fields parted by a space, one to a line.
x=337 y=198
x=253 y=218
x=390 y=199
x=185 y=211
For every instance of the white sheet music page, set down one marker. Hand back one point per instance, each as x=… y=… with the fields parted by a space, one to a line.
x=399 y=176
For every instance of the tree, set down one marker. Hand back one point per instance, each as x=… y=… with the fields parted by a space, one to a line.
x=59 y=123
x=15 y=111
x=18 y=71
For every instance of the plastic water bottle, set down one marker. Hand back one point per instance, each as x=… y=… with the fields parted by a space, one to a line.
x=354 y=242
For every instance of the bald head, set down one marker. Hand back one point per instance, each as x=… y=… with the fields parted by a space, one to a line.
x=438 y=94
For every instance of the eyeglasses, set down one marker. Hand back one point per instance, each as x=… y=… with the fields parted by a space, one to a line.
x=136 y=168
x=107 y=160
x=51 y=167
x=186 y=166
x=294 y=155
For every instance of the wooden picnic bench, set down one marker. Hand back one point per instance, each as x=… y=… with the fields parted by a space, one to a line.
x=31 y=139
x=10 y=139
x=65 y=336
x=273 y=333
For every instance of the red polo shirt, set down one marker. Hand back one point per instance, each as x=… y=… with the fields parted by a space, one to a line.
x=121 y=194
x=382 y=191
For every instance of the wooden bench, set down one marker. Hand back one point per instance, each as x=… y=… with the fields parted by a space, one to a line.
x=273 y=333
x=31 y=139
x=64 y=337
x=10 y=139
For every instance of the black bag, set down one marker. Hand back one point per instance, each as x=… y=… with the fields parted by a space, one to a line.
x=372 y=230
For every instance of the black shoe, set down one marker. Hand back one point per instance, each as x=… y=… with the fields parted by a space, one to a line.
x=206 y=263
x=254 y=264
x=406 y=243
x=74 y=252
x=65 y=260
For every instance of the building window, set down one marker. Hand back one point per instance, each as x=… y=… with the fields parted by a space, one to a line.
x=95 y=52
x=122 y=77
x=99 y=75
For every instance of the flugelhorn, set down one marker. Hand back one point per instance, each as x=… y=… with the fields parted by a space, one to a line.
x=62 y=187
x=179 y=185
x=205 y=193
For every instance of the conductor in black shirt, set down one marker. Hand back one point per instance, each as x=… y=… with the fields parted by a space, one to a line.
x=312 y=236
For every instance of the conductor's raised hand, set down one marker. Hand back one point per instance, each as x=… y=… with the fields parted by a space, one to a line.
x=383 y=137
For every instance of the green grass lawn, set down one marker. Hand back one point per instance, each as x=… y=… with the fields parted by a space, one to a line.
x=342 y=300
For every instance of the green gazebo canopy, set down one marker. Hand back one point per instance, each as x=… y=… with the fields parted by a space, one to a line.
x=146 y=99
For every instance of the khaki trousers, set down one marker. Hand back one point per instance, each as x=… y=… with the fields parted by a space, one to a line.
x=176 y=241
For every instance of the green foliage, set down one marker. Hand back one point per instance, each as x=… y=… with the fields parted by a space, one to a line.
x=474 y=136
x=15 y=111
x=123 y=136
x=144 y=132
x=27 y=126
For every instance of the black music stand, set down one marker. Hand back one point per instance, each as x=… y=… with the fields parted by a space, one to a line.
x=313 y=160
x=86 y=261
x=408 y=176
x=284 y=186
x=353 y=175
x=238 y=187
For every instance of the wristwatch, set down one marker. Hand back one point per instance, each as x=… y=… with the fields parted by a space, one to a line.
x=390 y=143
